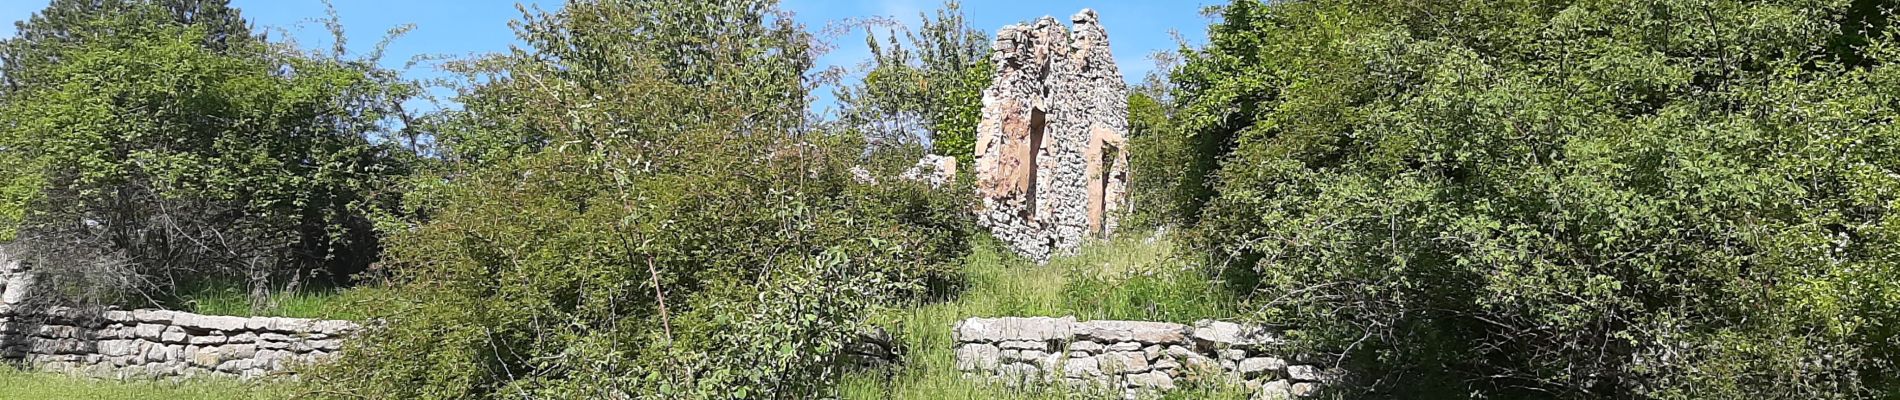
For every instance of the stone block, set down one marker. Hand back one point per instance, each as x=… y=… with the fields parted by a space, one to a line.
x=206 y=339
x=1260 y=366
x=977 y=356
x=161 y=317
x=173 y=334
x=993 y=330
x=1082 y=368
x=1218 y=334
x=1024 y=345
x=1132 y=331
x=1275 y=390
x=1157 y=380
x=1125 y=363
x=151 y=332
x=1305 y=389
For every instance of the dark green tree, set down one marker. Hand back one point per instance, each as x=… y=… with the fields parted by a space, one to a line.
x=141 y=159
x=1670 y=199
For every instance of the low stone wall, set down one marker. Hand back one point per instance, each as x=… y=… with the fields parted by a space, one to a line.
x=153 y=343
x=157 y=344
x=1134 y=357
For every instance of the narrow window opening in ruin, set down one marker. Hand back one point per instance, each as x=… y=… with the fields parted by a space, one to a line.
x=1038 y=124
x=1100 y=195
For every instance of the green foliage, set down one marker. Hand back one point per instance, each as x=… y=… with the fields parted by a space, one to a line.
x=234 y=298
x=64 y=24
x=667 y=231
x=144 y=159
x=1672 y=199
x=1155 y=153
x=934 y=85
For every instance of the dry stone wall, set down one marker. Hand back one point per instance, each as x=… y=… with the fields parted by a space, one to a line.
x=1135 y=358
x=1051 y=158
x=154 y=343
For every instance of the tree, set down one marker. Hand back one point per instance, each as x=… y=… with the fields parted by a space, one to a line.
x=933 y=87
x=144 y=160
x=1673 y=199
x=65 y=24
x=617 y=223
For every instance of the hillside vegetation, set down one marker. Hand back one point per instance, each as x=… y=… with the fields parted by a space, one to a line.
x=1519 y=199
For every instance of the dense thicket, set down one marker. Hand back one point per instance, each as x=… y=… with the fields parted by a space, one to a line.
x=155 y=144
x=1662 y=199
x=622 y=223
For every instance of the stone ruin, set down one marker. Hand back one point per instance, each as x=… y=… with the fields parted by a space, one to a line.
x=1051 y=150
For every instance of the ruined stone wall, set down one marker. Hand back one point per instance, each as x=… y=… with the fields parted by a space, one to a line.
x=1135 y=358
x=1051 y=158
x=154 y=343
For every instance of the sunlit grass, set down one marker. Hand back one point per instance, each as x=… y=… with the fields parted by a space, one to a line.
x=1130 y=278
x=306 y=303
x=22 y=385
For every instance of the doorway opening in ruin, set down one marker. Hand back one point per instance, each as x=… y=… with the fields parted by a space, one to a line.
x=1099 y=187
x=1038 y=126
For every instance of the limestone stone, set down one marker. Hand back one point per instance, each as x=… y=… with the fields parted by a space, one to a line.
x=173 y=334
x=1259 y=366
x=1024 y=345
x=1275 y=390
x=1219 y=334
x=1085 y=346
x=1051 y=158
x=977 y=356
x=207 y=339
x=992 y=330
x=1080 y=368
x=1304 y=389
x=161 y=317
x=1153 y=380
x=1132 y=331
x=1125 y=362
x=933 y=169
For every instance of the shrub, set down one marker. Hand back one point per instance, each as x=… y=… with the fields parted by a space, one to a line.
x=155 y=153
x=1670 y=199
x=648 y=231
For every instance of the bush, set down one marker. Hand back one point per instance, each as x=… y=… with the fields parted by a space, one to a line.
x=155 y=153
x=649 y=231
x=1671 y=199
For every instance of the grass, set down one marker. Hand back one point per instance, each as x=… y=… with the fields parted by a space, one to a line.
x=323 y=303
x=22 y=385
x=1129 y=278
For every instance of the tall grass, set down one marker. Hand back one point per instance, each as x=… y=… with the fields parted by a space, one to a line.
x=320 y=303
x=1131 y=278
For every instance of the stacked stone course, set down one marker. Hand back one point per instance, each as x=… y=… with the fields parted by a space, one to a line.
x=1135 y=358
x=154 y=343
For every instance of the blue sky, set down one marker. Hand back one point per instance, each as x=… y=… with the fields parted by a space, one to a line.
x=1136 y=28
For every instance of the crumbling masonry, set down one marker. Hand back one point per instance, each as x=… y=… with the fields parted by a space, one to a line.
x=1051 y=154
